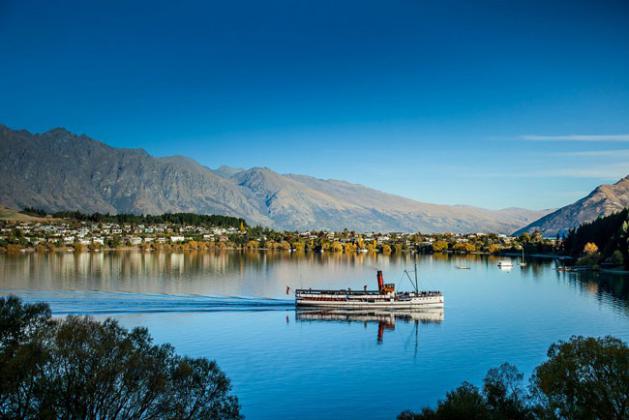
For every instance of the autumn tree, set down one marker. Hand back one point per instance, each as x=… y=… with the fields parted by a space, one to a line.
x=337 y=246
x=590 y=248
x=494 y=248
x=439 y=246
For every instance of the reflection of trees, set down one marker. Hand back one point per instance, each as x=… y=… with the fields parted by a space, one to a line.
x=251 y=273
x=145 y=271
x=603 y=285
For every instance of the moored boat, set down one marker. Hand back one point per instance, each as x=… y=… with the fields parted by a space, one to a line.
x=385 y=297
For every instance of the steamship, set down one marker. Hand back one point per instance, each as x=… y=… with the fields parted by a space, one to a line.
x=386 y=297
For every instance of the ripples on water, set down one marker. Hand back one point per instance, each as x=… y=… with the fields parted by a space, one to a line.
x=69 y=302
x=285 y=363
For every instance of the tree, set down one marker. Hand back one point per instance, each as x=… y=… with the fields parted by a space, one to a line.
x=537 y=236
x=337 y=247
x=585 y=378
x=464 y=403
x=439 y=246
x=253 y=244
x=464 y=247
x=617 y=258
x=503 y=393
x=80 y=368
x=590 y=248
x=349 y=248
x=494 y=248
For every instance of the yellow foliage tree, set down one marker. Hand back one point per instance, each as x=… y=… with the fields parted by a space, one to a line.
x=14 y=248
x=590 y=248
x=337 y=247
x=494 y=248
x=299 y=246
x=439 y=246
x=253 y=244
x=464 y=247
x=350 y=248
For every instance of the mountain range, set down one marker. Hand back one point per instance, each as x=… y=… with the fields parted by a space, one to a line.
x=58 y=170
x=603 y=201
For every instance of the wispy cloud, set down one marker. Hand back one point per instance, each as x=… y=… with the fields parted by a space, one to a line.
x=616 y=153
x=578 y=137
x=610 y=172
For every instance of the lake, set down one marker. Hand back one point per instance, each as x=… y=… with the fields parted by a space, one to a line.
x=233 y=307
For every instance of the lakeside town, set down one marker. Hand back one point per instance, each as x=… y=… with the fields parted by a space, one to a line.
x=66 y=234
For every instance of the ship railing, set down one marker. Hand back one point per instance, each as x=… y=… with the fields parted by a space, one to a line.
x=336 y=292
x=359 y=292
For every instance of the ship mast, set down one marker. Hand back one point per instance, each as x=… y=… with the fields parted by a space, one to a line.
x=415 y=266
x=416 y=282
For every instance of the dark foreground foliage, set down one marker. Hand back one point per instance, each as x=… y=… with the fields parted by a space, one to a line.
x=80 y=368
x=583 y=378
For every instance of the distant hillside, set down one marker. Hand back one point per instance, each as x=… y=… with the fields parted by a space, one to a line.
x=603 y=201
x=16 y=216
x=59 y=171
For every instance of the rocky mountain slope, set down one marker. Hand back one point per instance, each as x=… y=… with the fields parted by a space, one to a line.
x=603 y=201
x=58 y=170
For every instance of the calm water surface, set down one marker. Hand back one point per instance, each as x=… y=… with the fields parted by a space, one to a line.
x=285 y=364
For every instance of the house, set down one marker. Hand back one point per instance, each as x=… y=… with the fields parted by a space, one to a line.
x=135 y=240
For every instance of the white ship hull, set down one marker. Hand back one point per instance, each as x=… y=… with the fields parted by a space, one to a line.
x=369 y=301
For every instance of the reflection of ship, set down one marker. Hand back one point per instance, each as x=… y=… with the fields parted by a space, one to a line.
x=386 y=319
x=384 y=297
x=376 y=315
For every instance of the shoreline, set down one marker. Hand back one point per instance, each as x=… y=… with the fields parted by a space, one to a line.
x=184 y=248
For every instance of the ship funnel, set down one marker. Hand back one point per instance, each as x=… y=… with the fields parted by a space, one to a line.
x=380 y=281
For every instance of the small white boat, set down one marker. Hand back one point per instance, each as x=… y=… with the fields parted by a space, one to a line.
x=505 y=264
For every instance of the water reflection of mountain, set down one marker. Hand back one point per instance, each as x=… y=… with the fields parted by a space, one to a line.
x=386 y=319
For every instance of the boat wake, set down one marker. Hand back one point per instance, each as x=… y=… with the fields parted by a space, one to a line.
x=71 y=302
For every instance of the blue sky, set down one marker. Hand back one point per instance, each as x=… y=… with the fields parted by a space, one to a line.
x=488 y=103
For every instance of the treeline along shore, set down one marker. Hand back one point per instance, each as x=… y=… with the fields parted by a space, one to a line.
x=74 y=231
x=603 y=243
